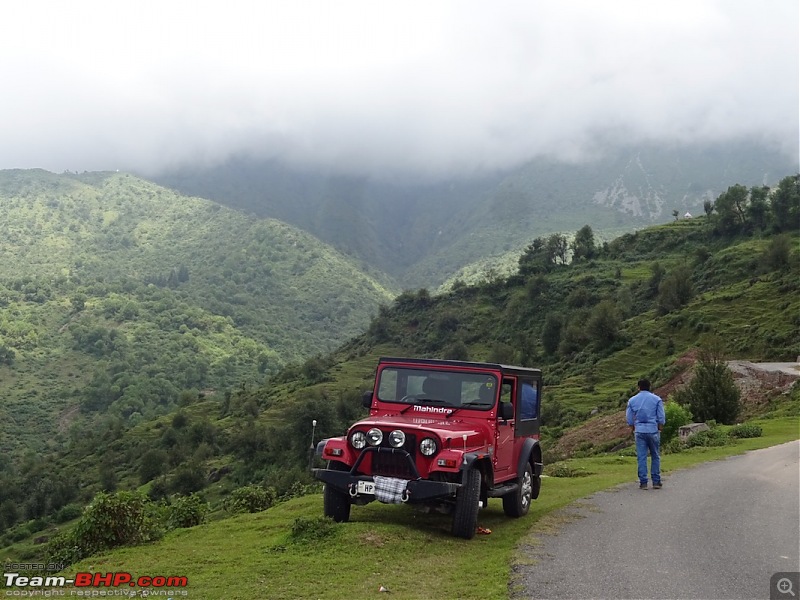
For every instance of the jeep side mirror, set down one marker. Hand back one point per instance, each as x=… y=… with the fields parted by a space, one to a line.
x=506 y=411
x=366 y=399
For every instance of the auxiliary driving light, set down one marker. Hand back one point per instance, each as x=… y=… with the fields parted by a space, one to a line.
x=374 y=437
x=397 y=438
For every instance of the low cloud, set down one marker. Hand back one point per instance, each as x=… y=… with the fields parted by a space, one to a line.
x=414 y=88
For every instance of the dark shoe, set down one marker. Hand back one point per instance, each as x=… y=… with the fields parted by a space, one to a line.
x=657 y=486
x=643 y=486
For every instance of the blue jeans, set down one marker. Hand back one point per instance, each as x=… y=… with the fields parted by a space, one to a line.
x=648 y=442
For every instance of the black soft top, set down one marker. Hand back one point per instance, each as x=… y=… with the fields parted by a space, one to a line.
x=511 y=369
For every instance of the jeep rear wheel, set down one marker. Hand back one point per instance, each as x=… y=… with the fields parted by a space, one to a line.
x=517 y=504
x=336 y=504
x=465 y=516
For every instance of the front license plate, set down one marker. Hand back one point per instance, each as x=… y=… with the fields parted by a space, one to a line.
x=365 y=487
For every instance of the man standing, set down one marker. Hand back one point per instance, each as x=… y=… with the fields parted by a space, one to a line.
x=646 y=418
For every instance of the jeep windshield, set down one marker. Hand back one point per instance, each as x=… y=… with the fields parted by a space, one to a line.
x=428 y=387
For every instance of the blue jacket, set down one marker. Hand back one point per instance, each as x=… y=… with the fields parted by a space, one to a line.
x=529 y=398
x=645 y=412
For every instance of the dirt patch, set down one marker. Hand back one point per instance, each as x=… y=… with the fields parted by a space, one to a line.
x=599 y=431
x=66 y=417
x=373 y=539
x=758 y=387
x=684 y=373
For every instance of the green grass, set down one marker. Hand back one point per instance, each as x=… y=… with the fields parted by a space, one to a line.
x=410 y=553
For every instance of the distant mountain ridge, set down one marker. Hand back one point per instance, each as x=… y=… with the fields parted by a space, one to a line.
x=422 y=233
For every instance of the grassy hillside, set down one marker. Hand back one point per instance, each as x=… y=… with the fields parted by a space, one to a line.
x=116 y=295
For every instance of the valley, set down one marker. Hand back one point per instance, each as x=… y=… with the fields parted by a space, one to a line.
x=138 y=362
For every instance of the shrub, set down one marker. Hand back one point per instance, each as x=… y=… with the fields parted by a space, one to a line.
x=776 y=256
x=311 y=530
x=298 y=489
x=456 y=351
x=67 y=513
x=677 y=416
x=604 y=324
x=63 y=549
x=153 y=463
x=745 y=430
x=187 y=479
x=712 y=437
x=563 y=470
x=187 y=511
x=250 y=499
x=673 y=446
x=158 y=490
x=314 y=369
x=111 y=520
x=114 y=520
x=18 y=533
x=675 y=290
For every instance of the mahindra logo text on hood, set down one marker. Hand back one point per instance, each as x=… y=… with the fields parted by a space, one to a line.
x=432 y=409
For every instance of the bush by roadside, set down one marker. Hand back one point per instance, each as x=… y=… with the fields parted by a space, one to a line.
x=123 y=519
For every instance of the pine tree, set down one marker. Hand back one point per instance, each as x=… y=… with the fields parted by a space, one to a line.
x=712 y=394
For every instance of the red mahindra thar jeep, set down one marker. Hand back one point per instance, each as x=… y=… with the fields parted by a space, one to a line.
x=443 y=434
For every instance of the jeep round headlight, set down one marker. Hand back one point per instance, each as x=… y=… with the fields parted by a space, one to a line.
x=374 y=437
x=397 y=438
x=358 y=439
x=428 y=447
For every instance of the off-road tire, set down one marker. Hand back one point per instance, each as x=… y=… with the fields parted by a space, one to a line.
x=336 y=504
x=465 y=516
x=518 y=503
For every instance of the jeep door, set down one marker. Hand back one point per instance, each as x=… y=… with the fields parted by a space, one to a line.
x=504 y=436
x=528 y=393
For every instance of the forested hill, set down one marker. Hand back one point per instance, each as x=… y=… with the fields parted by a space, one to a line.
x=115 y=291
x=421 y=233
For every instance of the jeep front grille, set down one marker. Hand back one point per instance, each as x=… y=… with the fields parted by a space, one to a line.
x=392 y=464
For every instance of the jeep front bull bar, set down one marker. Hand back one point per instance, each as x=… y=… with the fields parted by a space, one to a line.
x=417 y=489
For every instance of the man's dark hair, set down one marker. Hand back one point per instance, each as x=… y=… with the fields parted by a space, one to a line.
x=644 y=384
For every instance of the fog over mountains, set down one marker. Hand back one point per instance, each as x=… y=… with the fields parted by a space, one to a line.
x=421 y=233
x=408 y=91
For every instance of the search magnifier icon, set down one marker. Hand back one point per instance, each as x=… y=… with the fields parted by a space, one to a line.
x=784 y=586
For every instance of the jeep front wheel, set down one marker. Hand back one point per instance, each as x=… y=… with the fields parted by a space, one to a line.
x=336 y=504
x=517 y=504
x=465 y=517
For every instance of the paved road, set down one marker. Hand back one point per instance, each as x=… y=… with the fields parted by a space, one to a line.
x=781 y=367
x=719 y=530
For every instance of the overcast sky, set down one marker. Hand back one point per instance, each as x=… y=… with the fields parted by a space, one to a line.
x=429 y=87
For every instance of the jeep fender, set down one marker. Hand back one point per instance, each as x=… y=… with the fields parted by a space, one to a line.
x=477 y=460
x=531 y=453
